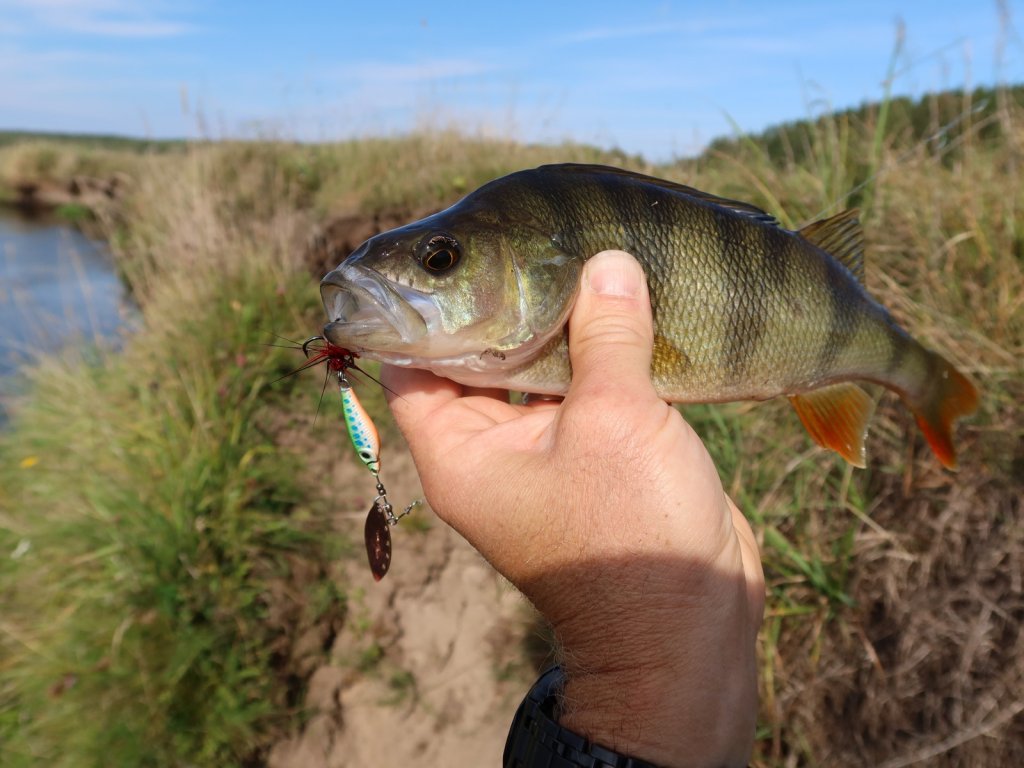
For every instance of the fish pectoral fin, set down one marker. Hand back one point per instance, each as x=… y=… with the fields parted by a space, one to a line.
x=666 y=358
x=836 y=417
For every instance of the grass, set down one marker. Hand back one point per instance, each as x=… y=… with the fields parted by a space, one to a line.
x=852 y=558
x=161 y=528
x=75 y=214
x=156 y=519
x=44 y=160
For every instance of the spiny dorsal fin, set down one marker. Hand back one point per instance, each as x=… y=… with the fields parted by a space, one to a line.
x=586 y=169
x=837 y=417
x=842 y=237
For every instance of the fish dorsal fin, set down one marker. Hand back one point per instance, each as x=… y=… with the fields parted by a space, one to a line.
x=842 y=237
x=585 y=169
x=837 y=417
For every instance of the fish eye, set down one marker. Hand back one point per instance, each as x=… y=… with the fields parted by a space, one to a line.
x=439 y=253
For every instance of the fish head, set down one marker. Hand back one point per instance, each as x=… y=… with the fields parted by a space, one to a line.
x=468 y=293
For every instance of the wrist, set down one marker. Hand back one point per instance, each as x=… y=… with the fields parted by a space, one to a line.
x=674 y=683
x=535 y=737
x=652 y=714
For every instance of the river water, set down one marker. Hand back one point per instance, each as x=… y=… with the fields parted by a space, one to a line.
x=57 y=287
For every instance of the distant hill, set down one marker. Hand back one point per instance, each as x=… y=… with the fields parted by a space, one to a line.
x=941 y=119
x=91 y=140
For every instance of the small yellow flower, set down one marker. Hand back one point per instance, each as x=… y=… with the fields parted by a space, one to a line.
x=29 y=461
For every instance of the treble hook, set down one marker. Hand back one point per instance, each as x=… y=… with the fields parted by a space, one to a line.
x=307 y=342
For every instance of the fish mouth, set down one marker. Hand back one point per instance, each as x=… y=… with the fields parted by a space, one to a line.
x=367 y=312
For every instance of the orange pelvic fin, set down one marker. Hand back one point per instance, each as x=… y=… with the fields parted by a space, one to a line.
x=951 y=396
x=837 y=417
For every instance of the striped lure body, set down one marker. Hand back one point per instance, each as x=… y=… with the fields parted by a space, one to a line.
x=743 y=309
x=361 y=429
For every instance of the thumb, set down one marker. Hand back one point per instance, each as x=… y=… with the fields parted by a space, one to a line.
x=611 y=331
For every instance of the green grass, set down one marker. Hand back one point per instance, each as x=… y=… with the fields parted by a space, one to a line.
x=155 y=515
x=844 y=551
x=75 y=214
x=77 y=141
x=158 y=515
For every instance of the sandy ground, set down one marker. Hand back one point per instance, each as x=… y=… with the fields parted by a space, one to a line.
x=428 y=667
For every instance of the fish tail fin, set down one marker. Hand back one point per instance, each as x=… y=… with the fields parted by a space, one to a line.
x=947 y=396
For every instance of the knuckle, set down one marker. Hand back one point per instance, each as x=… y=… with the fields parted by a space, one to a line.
x=613 y=331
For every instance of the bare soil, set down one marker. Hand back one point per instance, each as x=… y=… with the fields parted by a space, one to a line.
x=343 y=234
x=88 y=191
x=427 y=667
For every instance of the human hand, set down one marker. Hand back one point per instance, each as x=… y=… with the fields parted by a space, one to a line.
x=606 y=511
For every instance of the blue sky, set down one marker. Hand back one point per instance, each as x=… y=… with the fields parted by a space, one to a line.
x=659 y=78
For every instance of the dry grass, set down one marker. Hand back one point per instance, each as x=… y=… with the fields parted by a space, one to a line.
x=48 y=162
x=926 y=666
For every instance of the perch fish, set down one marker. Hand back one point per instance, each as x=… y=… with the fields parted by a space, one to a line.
x=744 y=309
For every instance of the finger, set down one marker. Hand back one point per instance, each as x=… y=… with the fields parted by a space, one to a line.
x=493 y=393
x=414 y=394
x=434 y=414
x=752 y=569
x=535 y=401
x=611 y=330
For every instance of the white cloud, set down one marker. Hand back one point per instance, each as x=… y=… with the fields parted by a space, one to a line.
x=26 y=68
x=595 y=34
x=101 y=18
x=126 y=28
x=77 y=6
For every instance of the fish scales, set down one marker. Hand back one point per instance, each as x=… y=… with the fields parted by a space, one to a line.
x=714 y=275
x=743 y=308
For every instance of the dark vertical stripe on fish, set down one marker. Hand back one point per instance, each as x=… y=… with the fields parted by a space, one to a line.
x=619 y=202
x=611 y=209
x=897 y=351
x=656 y=216
x=559 y=196
x=843 y=318
x=743 y=260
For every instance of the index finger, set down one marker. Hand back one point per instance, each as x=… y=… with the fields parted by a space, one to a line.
x=413 y=394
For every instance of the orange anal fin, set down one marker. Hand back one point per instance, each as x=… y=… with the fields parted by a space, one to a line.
x=836 y=417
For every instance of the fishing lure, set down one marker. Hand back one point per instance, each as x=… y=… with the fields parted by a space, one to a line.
x=366 y=441
x=361 y=429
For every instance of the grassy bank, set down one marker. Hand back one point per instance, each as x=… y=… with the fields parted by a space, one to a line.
x=162 y=570
x=878 y=644
x=155 y=527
